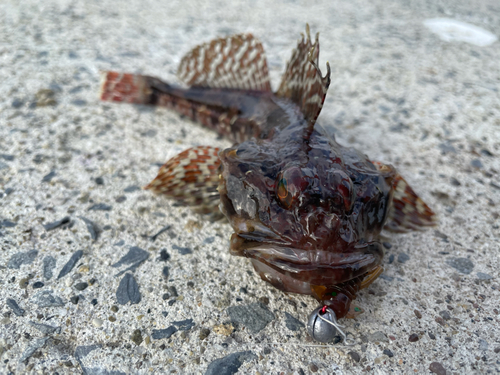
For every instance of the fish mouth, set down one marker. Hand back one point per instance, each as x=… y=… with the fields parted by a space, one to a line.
x=316 y=266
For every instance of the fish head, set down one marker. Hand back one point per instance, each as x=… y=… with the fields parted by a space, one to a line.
x=312 y=214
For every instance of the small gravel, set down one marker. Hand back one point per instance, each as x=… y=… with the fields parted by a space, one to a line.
x=413 y=337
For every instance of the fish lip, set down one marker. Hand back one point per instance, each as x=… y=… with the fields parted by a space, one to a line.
x=316 y=266
x=257 y=245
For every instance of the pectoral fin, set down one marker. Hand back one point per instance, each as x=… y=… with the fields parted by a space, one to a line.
x=191 y=178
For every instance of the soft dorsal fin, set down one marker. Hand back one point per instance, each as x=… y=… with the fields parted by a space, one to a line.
x=302 y=82
x=236 y=62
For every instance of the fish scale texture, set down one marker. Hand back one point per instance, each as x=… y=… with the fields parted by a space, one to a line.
x=398 y=92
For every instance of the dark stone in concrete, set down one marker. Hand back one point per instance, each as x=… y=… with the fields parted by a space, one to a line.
x=32 y=348
x=292 y=323
x=182 y=250
x=46 y=298
x=18 y=259
x=135 y=256
x=403 y=258
x=163 y=333
x=70 y=264
x=254 y=316
x=128 y=290
x=57 y=223
x=49 y=263
x=184 y=325
x=48 y=177
x=230 y=364
x=100 y=207
x=15 y=307
x=437 y=368
x=355 y=356
x=91 y=227
x=462 y=265
x=45 y=328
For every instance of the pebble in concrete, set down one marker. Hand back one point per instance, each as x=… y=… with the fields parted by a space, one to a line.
x=462 y=265
x=135 y=256
x=292 y=323
x=437 y=368
x=71 y=263
x=57 y=224
x=254 y=316
x=91 y=227
x=15 y=307
x=46 y=298
x=32 y=348
x=45 y=328
x=18 y=259
x=230 y=364
x=403 y=258
x=100 y=207
x=182 y=250
x=378 y=336
x=49 y=263
x=484 y=276
x=163 y=333
x=184 y=325
x=128 y=290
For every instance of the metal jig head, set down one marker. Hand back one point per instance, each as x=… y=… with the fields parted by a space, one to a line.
x=323 y=326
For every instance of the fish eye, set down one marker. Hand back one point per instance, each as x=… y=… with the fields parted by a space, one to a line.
x=289 y=184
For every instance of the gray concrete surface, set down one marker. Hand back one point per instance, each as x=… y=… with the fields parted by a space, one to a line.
x=400 y=93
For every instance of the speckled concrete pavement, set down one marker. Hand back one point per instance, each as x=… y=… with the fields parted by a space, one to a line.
x=101 y=293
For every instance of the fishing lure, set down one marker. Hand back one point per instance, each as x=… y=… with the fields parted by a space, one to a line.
x=307 y=211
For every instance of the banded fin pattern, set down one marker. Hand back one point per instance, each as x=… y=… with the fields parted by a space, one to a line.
x=124 y=87
x=302 y=81
x=408 y=210
x=191 y=178
x=235 y=62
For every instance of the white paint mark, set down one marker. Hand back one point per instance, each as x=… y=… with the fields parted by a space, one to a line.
x=451 y=30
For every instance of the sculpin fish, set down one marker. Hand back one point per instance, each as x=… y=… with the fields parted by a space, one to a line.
x=305 y=210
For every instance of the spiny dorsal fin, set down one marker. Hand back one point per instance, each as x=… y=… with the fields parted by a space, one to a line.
x=408 y=210
x=236 y=62
x=191 y=178
x=302 y=82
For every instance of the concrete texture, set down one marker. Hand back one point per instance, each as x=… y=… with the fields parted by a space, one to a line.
x=400 y=93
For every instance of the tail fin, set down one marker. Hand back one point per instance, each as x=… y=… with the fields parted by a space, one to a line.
x=126 y=87
x=302 y=82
